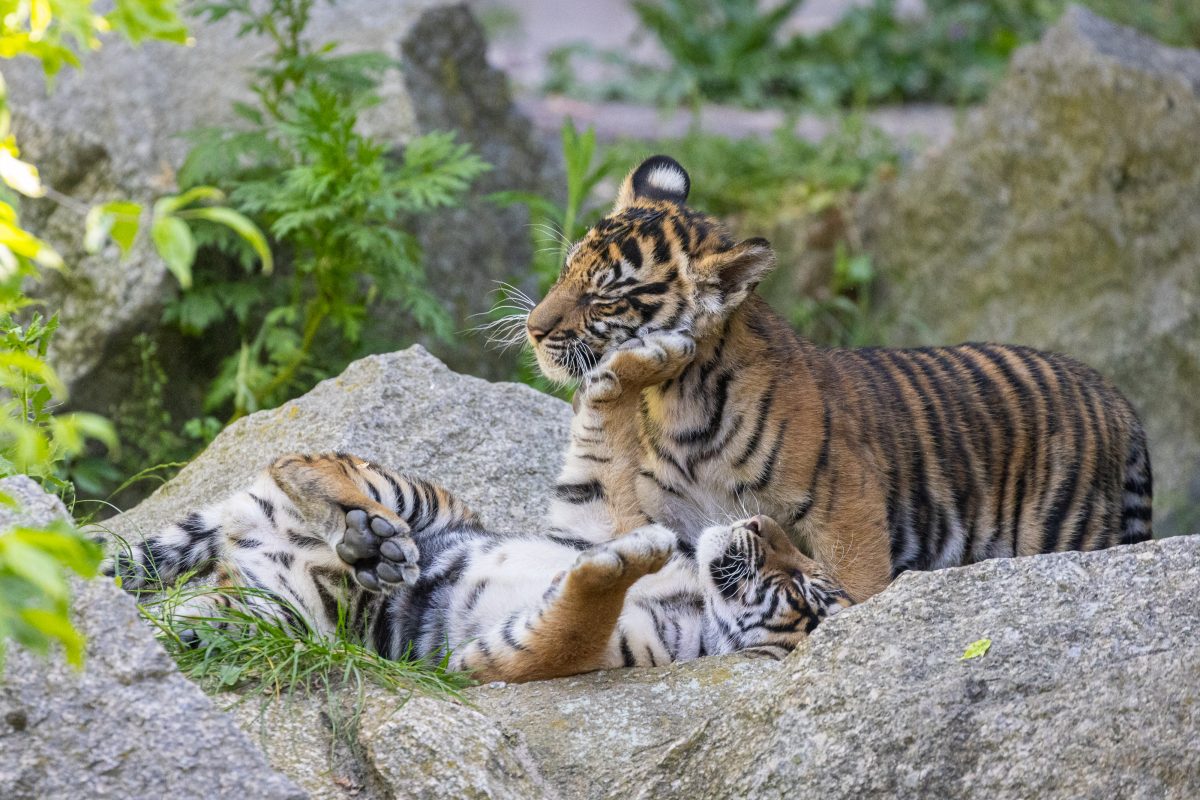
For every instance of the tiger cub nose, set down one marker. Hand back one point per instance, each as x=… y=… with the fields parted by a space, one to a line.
x=538 y=329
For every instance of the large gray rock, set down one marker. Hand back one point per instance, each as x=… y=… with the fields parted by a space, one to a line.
x=1064 y=216
x=497 y=446
x=1091 y=687
x=115 y=130
x=128 y=724
x=380 y=746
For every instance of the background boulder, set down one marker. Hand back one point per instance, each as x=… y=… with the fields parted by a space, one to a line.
x=128 y=724
x=1063 y=216
x=1091 y=687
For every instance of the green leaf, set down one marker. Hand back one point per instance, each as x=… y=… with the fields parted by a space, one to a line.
x=229 y=674
x=976 y=649
x=174 y=242
x=139 y=20
x=31 y=563
x=166 y=206
x=57 y=625
x=118 y=220
x=239 y=224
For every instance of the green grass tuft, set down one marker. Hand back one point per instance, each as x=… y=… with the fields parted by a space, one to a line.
x=238 y=651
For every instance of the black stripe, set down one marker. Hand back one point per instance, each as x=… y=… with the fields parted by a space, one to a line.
x=1025 y=401
x=768 y=469
x=934 y=519
x=267 y=508
x=506 y=633
x=719 y=399
x=632 y=253
x=764 y=405
x=578 y=493
x=626 y=652
x=1064 y=496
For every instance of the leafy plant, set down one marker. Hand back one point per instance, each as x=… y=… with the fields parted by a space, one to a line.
x=554 y=229
x=34 y=592
x=332 y=199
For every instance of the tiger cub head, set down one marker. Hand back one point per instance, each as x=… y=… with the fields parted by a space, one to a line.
x=760 y=590
x=652 y=264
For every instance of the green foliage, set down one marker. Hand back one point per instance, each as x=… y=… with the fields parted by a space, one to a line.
x=34 y=440
x=331 y=198
x=736 y=50
x=756 y=177
x=58 y=32
x=718 y=48
x=237 y=649
x=554 y=228
x=149 y=435
x=840 y=313
x=34 y=592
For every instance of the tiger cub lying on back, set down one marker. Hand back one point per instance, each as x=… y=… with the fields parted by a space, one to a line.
x=427 y=575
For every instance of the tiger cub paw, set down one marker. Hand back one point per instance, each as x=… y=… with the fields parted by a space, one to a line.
x=379 y=551
x=638 y=363
x=624 y=560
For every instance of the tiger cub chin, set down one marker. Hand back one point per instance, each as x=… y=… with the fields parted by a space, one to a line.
x=697 y=402
x=418 y=574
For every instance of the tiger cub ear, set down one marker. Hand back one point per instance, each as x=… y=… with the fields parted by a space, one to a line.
x=728 y=277
x=656 y=178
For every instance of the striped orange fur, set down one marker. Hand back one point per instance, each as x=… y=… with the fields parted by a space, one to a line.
x=700 y=404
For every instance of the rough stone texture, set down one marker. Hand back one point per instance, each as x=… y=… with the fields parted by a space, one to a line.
x=1091 y=687
x=498 y=446
x=114 y=130
x=128 y=725
x=429 y=749
x=1064 y=216
x=382 y=746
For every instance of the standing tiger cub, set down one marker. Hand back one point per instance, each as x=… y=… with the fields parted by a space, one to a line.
x=699 y=403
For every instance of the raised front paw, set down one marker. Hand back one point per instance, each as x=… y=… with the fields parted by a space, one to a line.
x=626 y=559
x=638 y=363
x=379 y=551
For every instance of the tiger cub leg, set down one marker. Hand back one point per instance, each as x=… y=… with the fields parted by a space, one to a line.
x=355 y=507
x=569 y=631
x=598 y=492
x=851 y=542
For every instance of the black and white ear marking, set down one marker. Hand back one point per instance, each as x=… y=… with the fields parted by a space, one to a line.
x=661 y=178
x=656 y=178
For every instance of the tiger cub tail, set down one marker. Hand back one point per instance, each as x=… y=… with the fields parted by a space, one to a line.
x=1139 y=491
